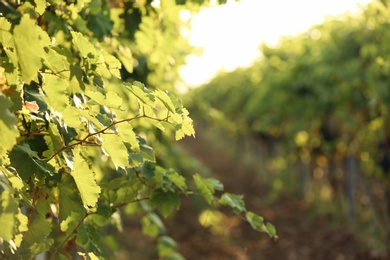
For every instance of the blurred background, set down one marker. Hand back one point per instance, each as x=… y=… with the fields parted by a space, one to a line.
x=290 y=100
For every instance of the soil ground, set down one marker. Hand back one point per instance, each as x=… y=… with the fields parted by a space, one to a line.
x=301 y=235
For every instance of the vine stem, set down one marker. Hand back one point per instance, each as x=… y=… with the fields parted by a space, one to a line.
x=32 y=209
x=70 y=235
x=102 y=131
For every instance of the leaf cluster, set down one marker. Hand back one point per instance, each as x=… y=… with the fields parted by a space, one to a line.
x=75 y=134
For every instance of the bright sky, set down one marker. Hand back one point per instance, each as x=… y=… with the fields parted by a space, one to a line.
x=230 y=34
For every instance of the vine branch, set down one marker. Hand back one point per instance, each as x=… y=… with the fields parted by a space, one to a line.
x=103 y=130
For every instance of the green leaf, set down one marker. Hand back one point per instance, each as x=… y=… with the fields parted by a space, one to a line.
x=56 y=91
x=83 y=45
x=5 y=34
x=165 y=99
x=99 y=23
x=111 y=100
x=89 y=256
x=177 y=179
x=166 y=246
x=55 y=139
x=128 y=135
x=71 y=222
x=152 y=225
x=112 y=63
x=9 y=132
x=85 y=179
x=8 y=214
x=256 y=221
x=166 y=202
x=40 y=6
x=205 y=188
x=14 y=180
x=57 y=62
x=271 y=230
x=141 y=92
x=38 y=229
x=27 y=162
x=125 y=56
x=28 y=48
x=71 y=116
x=89 y=237
x=234 y=201
x=70 y=203
x=116 y=149
x=147 y=153
x=217 y=184
x=184 y=128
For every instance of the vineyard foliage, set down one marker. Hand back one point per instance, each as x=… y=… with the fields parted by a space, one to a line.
x=77 y=122
x=323 y=94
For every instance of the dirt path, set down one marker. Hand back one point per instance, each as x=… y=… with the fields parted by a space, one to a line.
x=301 y=236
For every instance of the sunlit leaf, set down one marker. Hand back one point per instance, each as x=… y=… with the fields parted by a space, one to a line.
x=55 y=89
x=9 y=132
x=115 y=148
x=139 y=90
x=27 y=39
x=8 y=212
x=205 y=188
x=84 y=45
x=85 y=179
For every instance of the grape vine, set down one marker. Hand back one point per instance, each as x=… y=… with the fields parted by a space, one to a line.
x=75 y=126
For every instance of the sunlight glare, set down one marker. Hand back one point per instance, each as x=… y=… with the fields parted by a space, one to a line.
x=230 y=34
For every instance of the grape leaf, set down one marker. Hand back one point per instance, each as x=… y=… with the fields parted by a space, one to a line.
x=8 y=212
x=112 y=63
x=111 y=99
x=40 y=6
x=125 y=56
x=83 y=45
x=166 y=246
x=235 y=201
x=55 y=89
x=5 y=35
x=128 y=135
x=38 y=229
x=271 y=230
x=147 y=153
x=89 y=237
x=256 y=221
x=9 y=132
x=152 y=225
x=116 y=149
x=85 y=179
x=57 y=62
x=165 y=99
x=166 y=202
x=27 y=162
x=29 y=48
x=177 y=179
x=70 y=203
x=216 y=184
x=139 y=90
x=205 y=188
